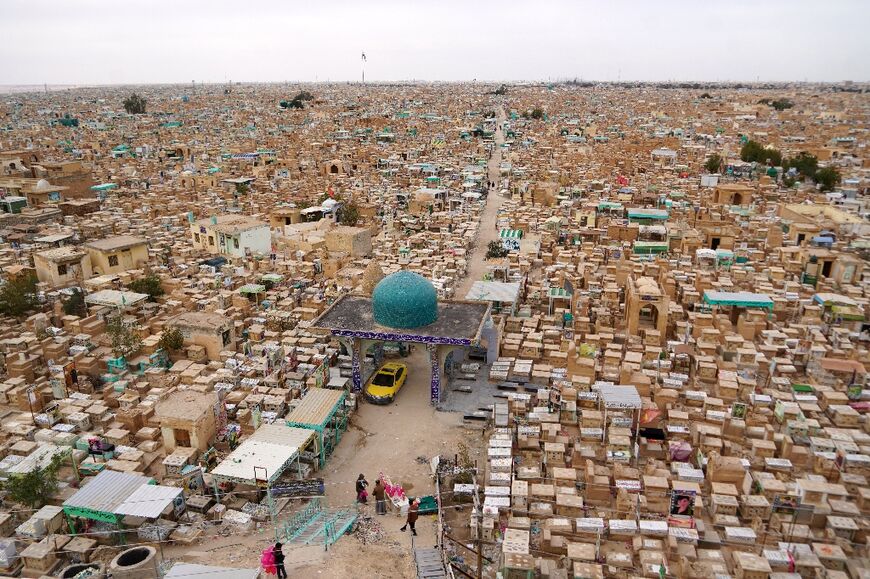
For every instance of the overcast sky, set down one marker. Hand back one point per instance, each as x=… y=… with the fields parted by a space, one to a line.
x=162 y=41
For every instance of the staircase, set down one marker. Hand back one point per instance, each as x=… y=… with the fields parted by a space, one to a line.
x=429 y=564
x=316 y=525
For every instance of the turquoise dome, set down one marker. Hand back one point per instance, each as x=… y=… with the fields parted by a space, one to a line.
x=405 y=300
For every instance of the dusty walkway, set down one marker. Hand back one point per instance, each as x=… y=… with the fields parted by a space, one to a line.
x=487 y=232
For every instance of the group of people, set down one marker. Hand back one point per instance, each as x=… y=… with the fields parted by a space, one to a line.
x=380 y=494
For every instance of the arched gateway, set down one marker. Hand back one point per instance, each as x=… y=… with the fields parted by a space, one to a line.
x=404 y=308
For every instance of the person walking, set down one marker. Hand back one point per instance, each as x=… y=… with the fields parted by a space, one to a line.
x=279 y=561
x=380 y=497
x=413 y=513
x=361 y=492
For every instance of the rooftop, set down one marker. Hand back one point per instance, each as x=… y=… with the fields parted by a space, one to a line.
x=116 y=243
x=460 y=320
x=186 y=404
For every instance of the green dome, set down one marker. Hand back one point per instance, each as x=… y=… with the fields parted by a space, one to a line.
x=405 y=300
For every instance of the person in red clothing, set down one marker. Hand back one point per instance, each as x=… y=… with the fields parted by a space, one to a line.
x=413 y=513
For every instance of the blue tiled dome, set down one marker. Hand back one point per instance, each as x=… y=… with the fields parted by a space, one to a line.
x=405 y=300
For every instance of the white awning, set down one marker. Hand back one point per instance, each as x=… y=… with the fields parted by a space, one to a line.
x=148 y=501
x=271 y=448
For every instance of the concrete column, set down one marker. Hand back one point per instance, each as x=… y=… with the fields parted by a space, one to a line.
x=435 y=367
x=356 y=364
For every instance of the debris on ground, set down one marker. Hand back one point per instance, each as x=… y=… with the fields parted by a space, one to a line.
x=368 y=530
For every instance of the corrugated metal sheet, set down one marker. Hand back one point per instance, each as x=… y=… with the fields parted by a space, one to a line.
x=148 y=501
x=106 y=491
x=315 y=407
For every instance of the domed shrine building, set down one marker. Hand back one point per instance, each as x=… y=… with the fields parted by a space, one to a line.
x=404 y=307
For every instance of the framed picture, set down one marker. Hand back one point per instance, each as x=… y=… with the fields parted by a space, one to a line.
x=683 y=503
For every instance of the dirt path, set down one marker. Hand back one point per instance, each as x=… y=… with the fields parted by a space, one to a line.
x=391 y=439
x=487 y=232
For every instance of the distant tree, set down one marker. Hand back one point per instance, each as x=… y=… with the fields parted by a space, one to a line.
x=19 y=295
x=35 y=487
x=125 y=341
x=298 y=101
x=706 y=95
x=827 y=178
x=501 y=91
x=782 y=104
x=537 y=113
x=713 y=163
x=171 y=340
x=349 y=214
x=773 y=157
x=75 y=305
x=150 y=284
x=135 y=104
x=242 y=188
x=495 y=250
x=805 y=163
x=788 y=181
x=753 y=151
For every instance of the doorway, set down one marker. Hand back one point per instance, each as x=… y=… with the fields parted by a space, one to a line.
x=182 y=437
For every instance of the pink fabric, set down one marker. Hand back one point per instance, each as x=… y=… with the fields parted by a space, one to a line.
x=267 y=561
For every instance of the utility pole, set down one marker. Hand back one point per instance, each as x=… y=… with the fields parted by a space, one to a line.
x=478 y=515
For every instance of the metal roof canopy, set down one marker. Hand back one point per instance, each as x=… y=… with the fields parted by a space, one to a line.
x=316 y=409
x=272 y=447
x=148 y=501
x=103 y=494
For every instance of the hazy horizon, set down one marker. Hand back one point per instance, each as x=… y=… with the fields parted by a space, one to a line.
x=98 y=42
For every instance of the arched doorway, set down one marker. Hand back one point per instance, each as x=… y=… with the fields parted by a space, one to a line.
x=648 y=317
x=737 y=199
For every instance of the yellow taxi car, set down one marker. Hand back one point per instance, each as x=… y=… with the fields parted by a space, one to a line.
x=386 y=382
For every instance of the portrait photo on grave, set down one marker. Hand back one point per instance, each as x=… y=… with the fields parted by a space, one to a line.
x=683 y=503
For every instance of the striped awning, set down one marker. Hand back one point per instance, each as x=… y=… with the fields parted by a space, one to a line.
x=511 y=234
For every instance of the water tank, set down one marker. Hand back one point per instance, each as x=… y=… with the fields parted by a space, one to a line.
x=135 y=563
